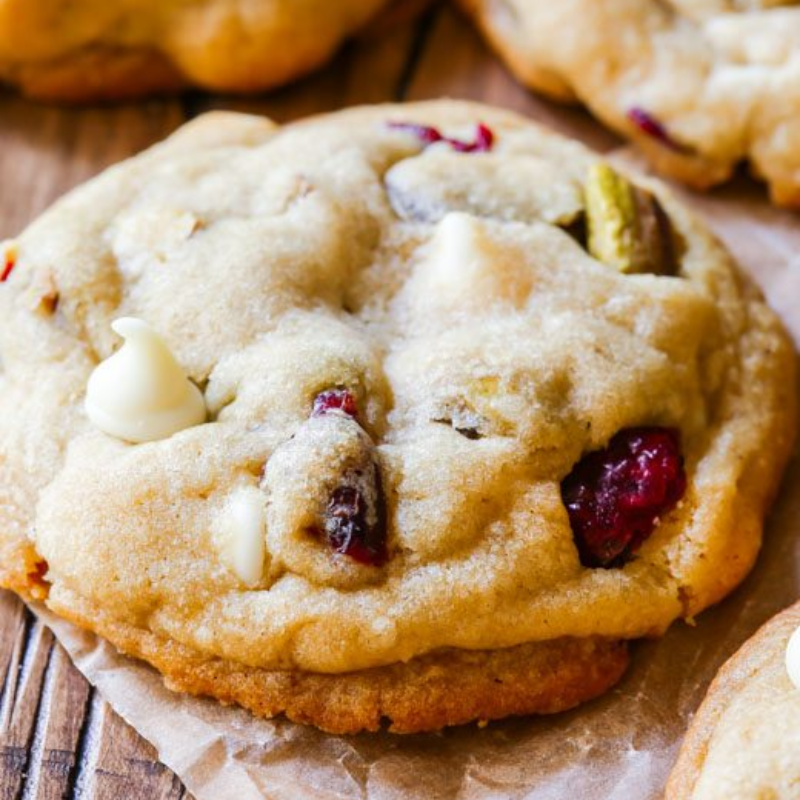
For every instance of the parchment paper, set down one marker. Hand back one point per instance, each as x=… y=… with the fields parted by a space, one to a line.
x=620 y=747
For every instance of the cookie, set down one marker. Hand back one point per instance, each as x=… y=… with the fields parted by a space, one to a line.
x=698 y=86
x=406 y=394
x=90 y=50
x=745 y=738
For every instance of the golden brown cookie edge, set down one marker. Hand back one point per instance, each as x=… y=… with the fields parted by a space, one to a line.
x=430 y=692
x=99 y=72
x=732 y=676
x=96 y=74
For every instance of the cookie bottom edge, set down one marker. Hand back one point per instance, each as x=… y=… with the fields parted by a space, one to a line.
x=430 y=692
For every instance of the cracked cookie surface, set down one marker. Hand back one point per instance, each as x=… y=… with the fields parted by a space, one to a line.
x=698 y=85
x=90 y=50
x=405 y=366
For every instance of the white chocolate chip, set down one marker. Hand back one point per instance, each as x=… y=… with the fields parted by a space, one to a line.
x=459 y=245
x=793 y=658
x=140 y=393
x=243 y=533
x=466 y=267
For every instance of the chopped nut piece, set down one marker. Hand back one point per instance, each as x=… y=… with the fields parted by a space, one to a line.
x=475 y=414
x=463 y=418
x=628 y=229
x=47 y=298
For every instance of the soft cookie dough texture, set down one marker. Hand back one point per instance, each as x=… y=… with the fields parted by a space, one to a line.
x=95 y=49
x=744 y=742
x=721 y=76
x=444 y=290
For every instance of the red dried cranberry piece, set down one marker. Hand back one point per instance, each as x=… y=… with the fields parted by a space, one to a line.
x=354 y=522
x=8 y=267
x=482 y=143
x=425 y=133
x=614 y=497
x=656 y=129
x=335 y=400
x=484 y=139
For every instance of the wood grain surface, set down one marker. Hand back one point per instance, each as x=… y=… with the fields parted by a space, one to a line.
x=58 y=738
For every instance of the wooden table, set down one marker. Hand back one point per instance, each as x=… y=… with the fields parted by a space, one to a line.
x=58 y=738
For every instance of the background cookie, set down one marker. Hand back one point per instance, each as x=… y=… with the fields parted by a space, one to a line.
x=90 y=50
x=699 y=86
x=429 y=262
x=745 y=738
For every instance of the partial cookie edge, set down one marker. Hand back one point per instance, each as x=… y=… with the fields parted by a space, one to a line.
x=99 y=72
x=96 y=74
x=698 y=172
x=733 y=675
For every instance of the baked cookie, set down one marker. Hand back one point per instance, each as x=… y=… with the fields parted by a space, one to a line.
x=744 y=742
x=699 y=85
x=95 y=50
x=411 y=397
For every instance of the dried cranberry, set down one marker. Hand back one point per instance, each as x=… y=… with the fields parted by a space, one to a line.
x=335 y=400
x=354 y=522
x=651 y=126
x=482 y=143
x=425 y=133
x=614 y=497
x=37 y=575
x=8 y=267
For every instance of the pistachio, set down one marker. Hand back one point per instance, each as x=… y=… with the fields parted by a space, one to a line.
x=627 y=227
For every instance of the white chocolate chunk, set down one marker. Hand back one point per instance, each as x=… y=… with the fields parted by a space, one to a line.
x=141 y=394
x=460 y=250
x=467 y=268
x=243 y=529
x=793 y=658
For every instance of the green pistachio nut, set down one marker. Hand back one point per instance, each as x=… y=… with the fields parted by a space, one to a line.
x=627 y=227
